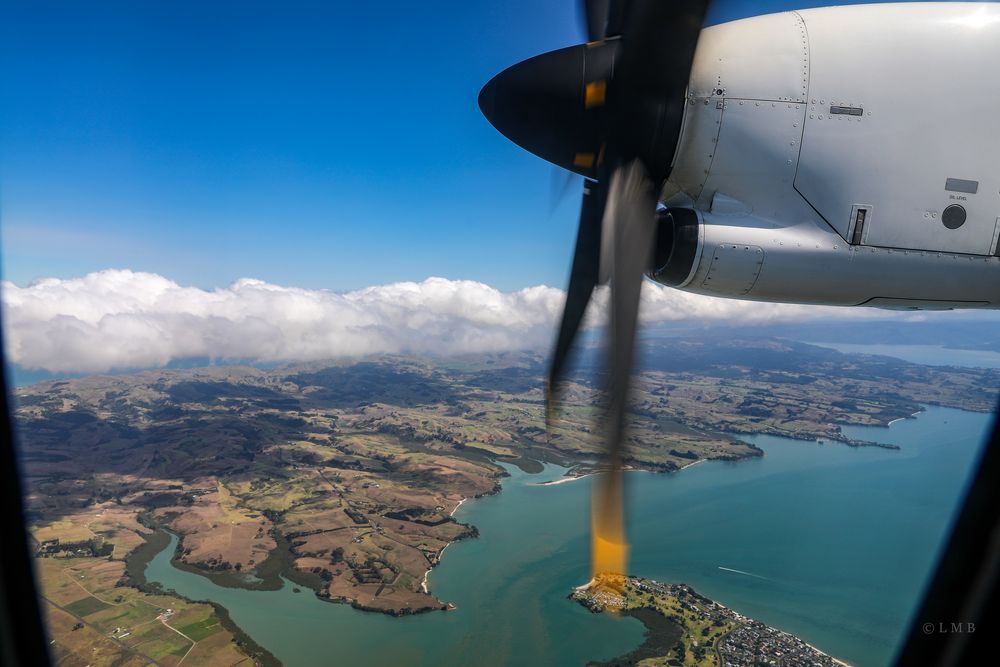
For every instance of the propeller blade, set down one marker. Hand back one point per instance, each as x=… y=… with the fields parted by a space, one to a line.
x=560 y=181
x=628 y=229
x=630 y=222
x=595 y=16
x=582 y=280
x=648 y=26
x=609 y=544
x=646 y=95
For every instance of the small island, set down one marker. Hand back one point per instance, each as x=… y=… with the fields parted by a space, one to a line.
x=685 y=628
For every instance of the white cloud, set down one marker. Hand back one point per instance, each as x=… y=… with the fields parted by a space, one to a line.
x=117 y=319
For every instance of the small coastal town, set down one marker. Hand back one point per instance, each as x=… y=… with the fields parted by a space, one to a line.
x=755 y=643
x=686 y=628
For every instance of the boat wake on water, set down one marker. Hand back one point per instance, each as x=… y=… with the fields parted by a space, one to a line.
x=749 y=574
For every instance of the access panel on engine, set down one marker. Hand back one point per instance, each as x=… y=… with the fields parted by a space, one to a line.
x=905 y=128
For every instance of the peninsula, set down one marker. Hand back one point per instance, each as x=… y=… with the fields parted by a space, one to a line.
x=685 y=628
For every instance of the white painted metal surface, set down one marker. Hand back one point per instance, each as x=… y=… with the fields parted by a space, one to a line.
x=915 y=91
x=926 y=78
x=810 y=263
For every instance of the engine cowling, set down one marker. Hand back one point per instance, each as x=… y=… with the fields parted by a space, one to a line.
x=747 y=257
x=676 y=247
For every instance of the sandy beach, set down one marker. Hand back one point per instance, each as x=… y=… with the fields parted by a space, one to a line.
x=573 y=478
x=423 y=584
x=562 y=480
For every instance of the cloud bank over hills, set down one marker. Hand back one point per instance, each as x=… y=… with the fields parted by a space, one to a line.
x=120 y=319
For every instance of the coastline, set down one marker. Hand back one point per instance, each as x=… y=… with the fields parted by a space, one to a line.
x=491 y=575
x=514 y=488
x=572 y=478
x=664 y=631
x=423 y=583
x=562 y=480
x=277 y=565
x=661 y=635
x=139 y=558
x=899 y=419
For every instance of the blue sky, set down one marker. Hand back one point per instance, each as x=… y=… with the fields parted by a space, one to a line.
x=307 y=144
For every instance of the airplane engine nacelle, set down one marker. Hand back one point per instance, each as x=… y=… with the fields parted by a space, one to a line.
x=828 y=159
x=744 y=256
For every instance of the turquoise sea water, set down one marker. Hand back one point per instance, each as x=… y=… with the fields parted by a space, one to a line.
x=826 y=541
x=930 y=355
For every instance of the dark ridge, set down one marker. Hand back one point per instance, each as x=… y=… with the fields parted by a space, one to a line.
x=370 y=382
x=512 y=380
x=202 y=392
